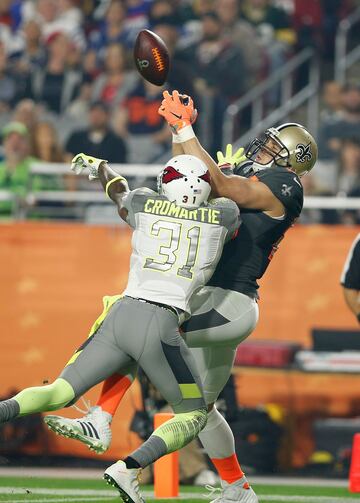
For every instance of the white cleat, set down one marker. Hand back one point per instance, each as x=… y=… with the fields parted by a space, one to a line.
x=125 y=480
x=92 y=430
x=239 y=491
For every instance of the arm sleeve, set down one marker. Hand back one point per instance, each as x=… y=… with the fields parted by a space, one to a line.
x=133 y=202
x=350 y=277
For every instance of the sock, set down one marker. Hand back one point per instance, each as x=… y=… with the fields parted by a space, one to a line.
x=170 y=436
x=9 y=409
x=228 y=468
x=218 y=441
x=131 y=462
x=113 y=390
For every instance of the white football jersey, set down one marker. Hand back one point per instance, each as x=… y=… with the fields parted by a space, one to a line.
x=175 y=250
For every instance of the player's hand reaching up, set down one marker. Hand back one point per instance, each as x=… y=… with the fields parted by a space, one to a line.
x=82 y=162
x=230 y=158
x=178 y=110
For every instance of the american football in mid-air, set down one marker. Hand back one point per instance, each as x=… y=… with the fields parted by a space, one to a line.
x=151 y=57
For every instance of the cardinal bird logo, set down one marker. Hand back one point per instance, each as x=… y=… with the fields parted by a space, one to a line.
x=171 y=174
x=205 y=177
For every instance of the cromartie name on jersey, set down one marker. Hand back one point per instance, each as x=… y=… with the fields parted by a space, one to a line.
x=169 y=209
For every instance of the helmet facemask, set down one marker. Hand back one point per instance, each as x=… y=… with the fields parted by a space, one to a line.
x=268 y=150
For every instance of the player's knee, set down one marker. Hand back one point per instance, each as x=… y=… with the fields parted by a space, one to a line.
x=61 y=393
x=199 y=419
x=202 y=416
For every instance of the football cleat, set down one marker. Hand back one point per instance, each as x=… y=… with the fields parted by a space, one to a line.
x=126 y=481
x=239 y=491
x=92 y=430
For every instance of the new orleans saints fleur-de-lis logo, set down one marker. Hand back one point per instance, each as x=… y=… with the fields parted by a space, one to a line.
x=303 y=152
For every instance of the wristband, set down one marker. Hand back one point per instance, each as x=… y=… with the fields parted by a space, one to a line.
x=185 y=134
x=358 y=317
x=175 y=138
x=113 y=180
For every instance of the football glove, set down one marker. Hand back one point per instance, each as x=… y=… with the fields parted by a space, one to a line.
x=82 y=162
x=229 y=158
x=178 y=110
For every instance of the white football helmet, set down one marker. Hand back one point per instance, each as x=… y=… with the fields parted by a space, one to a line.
x=185 y=181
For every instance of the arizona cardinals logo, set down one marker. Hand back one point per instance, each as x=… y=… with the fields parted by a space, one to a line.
x=170 y=174
x=303 y=152
x=205 y=177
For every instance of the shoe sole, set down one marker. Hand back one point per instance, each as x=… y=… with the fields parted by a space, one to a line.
x=112 y=482
x=67 y=432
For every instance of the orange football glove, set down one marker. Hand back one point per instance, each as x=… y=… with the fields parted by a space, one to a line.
x=178 y=110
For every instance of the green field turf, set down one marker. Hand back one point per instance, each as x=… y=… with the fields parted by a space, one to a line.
x=33 y=490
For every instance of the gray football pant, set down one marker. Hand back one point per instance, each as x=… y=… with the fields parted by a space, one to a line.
x=138 y=333
x=221 y=320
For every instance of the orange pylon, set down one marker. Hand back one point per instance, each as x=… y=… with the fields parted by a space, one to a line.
x=166 y=469
x=354 y=479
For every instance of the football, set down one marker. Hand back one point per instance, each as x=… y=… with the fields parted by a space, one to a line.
x=151 y=57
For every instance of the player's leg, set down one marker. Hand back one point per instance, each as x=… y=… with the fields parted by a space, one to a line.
x=221 y=319
x=115 y=387
x=168 y=363
x=97 y=359
x=96 y=422
x=37 y=399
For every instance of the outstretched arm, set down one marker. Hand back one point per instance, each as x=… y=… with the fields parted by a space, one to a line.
x=115 y=185
x=243 y=191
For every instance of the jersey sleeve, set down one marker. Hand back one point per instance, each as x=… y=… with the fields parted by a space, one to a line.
x=134 y=202
x=350 y=277
x=286 y=186
x=230 y=214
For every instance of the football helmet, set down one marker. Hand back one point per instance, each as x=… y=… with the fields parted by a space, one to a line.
x=185 y=181
x=289 y=146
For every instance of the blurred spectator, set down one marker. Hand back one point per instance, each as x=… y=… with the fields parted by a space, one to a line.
x=274 y=31
x=46 y=144
x=56 y=85
x=243 y=34
x=181 y=74
x=349 y=172
x=33 y=54
x=57 y=16
x=115 y=83
x=113 y=29
x=26 y=112
x=342 y=126
x=14 y=169
x=7 y=83
x=331 y=100
x=316 y=23
x=219 y=76
x=163 y=12
x=138 y=121
x=97 y=140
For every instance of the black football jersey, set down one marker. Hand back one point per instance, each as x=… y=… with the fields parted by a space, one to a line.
x=247 y=256
x=350 y=277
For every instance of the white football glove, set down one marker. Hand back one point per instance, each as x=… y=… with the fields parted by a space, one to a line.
x=82 y=161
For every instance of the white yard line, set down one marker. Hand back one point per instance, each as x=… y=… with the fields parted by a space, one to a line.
x=75 y=495
x=96 y=474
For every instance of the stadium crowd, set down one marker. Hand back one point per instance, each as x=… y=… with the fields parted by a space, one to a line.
x=68 y=81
